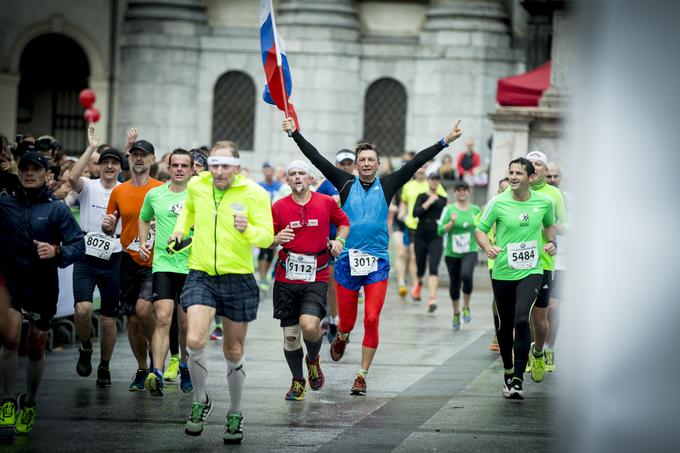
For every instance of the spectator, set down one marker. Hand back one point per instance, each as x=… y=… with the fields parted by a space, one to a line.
x=446 y=170
x=467 y=161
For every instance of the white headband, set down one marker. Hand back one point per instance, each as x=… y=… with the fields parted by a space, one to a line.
x=302 y=165
x=537 y=155
x=223 y=160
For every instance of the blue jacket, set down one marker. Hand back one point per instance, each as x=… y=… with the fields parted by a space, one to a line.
x=34 y=215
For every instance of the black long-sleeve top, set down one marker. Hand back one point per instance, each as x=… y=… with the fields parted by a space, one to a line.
x=343 y=180
x=427 y=223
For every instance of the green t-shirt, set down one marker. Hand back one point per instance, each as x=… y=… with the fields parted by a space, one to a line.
x=164 y=205
x=519 y=232
x=461 y=237
x=555 y=195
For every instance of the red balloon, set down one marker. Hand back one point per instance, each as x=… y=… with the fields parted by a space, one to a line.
x=91 y=115
x=87 y=98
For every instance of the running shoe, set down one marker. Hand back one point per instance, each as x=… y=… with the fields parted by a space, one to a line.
x=233 y=434
x=549 y=360
x=172 y=371
x=8 y=413
x=217 y=334
x=26 y=416
x=296 y=391
x=154 y=383
x=456 y=322
x=507 y=385
x=264 y=286
x=332 y=331
x=415 y=292
x=403 y=290
x=199 y=413
x=359 y=386
x=466 y=315
x=314 y=373
x=103 y=377
x=431 y=305
x=185 y=384
x=516 y=391
x=338 y=347
x=84 y=365
x=538 y=366
x=530 y=360
x=137 y=384
x=493 y=347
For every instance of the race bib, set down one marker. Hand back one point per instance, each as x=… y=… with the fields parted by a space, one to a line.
x=361 y=263
x=460 y=243
x=522 y=255
x=99 y=245
x=134 y=245
x=301 y=267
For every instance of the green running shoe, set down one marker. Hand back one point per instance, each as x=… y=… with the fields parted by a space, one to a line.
x=154 y=383
x=26 y=417
x=549 y=360
x=538 y=366
x=296 y=391
x=456 y=322
x=530 y=359
x=233 y=434
x=467 y=317
x=199 y=413
x=172 y=371
x=8 y=413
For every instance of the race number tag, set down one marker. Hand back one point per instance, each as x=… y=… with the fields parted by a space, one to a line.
x=99 y=245
x=522 y=255
x=461 y=243
x=361 y=263
x=134 y=245
x=301 y=267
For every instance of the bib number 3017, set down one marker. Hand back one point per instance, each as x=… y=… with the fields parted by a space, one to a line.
x=523 y=255
x=98 y=245
x=361 y=263
x=301 y=267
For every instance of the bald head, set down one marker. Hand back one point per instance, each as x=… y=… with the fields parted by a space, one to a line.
x=554 y=174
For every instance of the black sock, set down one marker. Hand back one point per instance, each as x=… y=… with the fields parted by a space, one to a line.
x=104 y=364
x=294 y=359
x=313 y=348
x=87 y=344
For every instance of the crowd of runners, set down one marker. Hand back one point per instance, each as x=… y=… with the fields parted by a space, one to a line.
x=169 y=245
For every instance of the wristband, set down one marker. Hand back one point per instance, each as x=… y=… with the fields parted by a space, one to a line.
x=553 y=242
x=443 y=143
x=341 y=240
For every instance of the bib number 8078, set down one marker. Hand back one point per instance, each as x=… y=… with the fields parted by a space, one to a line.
x=98 y=243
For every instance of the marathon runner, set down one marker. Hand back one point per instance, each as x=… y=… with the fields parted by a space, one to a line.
x=457 y=224
x=230 y=215
x=101 y=265
x=37 y=235
x=521 y=217
x=135 y=273
x=301 y=225
x=164 y=203
x=364 y=262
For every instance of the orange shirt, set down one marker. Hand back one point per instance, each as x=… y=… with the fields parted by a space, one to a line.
x=128 y=200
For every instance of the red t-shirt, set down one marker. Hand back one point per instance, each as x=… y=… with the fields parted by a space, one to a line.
x=310 y=225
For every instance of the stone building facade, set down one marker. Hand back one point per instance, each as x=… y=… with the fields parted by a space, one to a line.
x=188 y=71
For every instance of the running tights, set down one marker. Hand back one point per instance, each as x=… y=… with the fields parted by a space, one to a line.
x=174 y=331
x=428 y=251
x=514 y=301
x=460 y=270
x=347 y=309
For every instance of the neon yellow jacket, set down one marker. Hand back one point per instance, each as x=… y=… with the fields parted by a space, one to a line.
x=218 y=247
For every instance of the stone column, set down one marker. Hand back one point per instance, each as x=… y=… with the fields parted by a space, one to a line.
x=563 y=61
x=510 y=140
x=9 y=91
x=159 y=66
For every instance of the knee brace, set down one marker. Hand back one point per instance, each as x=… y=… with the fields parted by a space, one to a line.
x=291 y=338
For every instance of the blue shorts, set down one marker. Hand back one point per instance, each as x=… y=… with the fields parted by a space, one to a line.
x=408 y=236
x=234 y=296
x=344 y=278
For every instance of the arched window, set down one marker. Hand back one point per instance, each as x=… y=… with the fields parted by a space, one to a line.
x=234 y=109
x=385 y=116
x=54 y=68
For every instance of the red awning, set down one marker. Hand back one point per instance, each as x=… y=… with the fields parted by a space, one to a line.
x=524 y=90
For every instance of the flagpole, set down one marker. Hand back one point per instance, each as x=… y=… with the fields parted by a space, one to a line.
x=279 y=63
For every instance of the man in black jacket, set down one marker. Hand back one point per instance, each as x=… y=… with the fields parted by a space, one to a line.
x=37 y=235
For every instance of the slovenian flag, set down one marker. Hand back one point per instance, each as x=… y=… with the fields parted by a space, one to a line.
x=279 y=83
